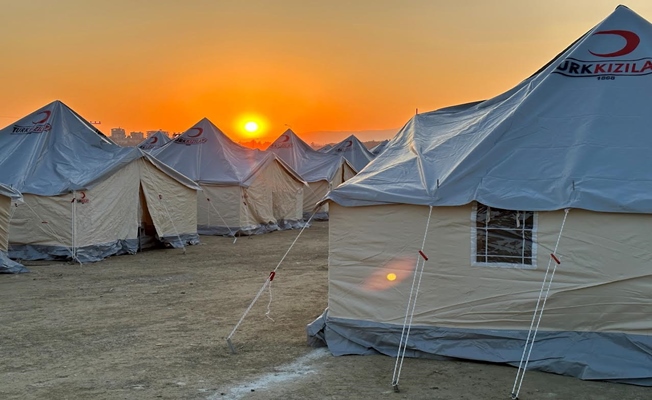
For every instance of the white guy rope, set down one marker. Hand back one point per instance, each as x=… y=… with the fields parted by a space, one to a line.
x=411 y=306
x=268 y=281
x=176 y=231
x=220 y=215
x=538 y=313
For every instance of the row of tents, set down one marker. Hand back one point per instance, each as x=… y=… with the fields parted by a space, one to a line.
x=470 y=206
x=78 y=195
x=474 y=206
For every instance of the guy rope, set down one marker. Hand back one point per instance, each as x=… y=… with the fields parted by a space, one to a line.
x=538 y=313
x=411 y=307
x=266 y=284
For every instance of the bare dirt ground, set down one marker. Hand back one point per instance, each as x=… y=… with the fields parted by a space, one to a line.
x=153 y=326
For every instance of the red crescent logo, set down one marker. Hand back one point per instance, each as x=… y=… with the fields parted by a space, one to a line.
x=349 y=143
x=199 y=132
x=285 y=138
x=47 y=116
x=631 y=42
x=83 y=195
x=154 y=140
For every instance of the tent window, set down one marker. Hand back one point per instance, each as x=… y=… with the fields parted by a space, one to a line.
x=504 y=238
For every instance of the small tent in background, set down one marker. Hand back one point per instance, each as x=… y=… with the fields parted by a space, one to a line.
x=379 y=147
x=354 y=151
x=322 y=171
x=484 y=188
x=245 y=191
x=159 y=139
x=325 y=148
x=7 y=196
x=85 y=197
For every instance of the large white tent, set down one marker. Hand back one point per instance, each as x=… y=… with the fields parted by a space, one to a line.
x=158 y=139
x=354 y=151
x=487 y=191
x=245 y=191
x=379 y=148
x=7 y=197
x=85 y=197
x=322 y=171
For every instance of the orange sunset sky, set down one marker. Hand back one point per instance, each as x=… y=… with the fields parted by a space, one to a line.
x=325 y=68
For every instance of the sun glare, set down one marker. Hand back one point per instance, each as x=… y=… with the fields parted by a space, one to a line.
x=251 y=127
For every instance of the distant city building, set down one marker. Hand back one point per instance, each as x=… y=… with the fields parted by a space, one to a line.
x=118 y=133
x=137 y=136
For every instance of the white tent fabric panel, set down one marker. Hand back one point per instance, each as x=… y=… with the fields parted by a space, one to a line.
x=173 y=207
x=287 y=193
x=5 y=211
x=316 y=191
x=111 y=212
x=256 y=207
x=218 y=206
x=106 y=213
x=313 y=194
x=603 y=284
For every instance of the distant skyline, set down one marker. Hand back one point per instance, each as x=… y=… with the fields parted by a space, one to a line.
x=325 y=69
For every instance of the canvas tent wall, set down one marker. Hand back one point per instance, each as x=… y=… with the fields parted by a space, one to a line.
x=7 y=197
x=82 y=193
x=354 y=151
x=322 y=171
x=158 y=139
x=245 y=191
x=499 y=176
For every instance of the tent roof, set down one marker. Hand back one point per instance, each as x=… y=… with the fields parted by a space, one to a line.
x=155 y=141
x=576 y=134
x=206 y=155
x=325 y=148
x=379 y=147
x=53 y=151
x=312 y=165
x=354 y=151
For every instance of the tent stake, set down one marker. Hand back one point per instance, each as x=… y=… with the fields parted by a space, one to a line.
x=228 y=341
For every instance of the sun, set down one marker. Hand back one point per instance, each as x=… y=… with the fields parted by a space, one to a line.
x=251 y=126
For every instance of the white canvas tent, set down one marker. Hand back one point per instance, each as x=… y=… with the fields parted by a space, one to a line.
x=325 y=148
x=499 y=175
x=245 y=191
x=354 y=151
x=7 y=197
x=379 y=148
x=322 y=171
x=159 y=139
x=85 y=197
